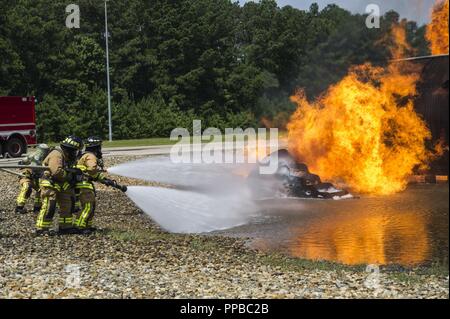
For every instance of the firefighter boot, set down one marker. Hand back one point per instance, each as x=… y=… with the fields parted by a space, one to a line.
x=44 y=232
x=20 y=210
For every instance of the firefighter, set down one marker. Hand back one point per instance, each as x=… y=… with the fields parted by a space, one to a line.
x=91 y=164
x=30 y=181
x=57 y=187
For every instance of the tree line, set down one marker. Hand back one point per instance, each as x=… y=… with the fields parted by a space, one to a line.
x=175 y=61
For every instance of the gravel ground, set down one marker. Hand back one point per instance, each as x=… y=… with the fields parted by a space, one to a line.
x=130 y=257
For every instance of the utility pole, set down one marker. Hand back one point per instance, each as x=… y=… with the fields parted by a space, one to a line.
x=107 y=72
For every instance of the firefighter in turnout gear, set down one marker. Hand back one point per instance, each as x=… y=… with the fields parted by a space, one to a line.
x=57 y=187
x=91 y=164
x=30 y=181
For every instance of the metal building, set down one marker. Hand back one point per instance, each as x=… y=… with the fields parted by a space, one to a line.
x=432 y=102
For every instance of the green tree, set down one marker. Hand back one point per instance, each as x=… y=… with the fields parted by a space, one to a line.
x=173 y=61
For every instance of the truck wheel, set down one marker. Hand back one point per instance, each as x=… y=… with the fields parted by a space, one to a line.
x=15 y=147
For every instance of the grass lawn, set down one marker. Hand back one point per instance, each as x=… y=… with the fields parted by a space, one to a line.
x=155 y=141
x=140 y=142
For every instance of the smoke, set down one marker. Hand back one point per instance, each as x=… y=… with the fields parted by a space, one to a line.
x=199 y=197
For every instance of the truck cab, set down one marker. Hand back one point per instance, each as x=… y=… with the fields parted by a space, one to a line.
x=17 y=125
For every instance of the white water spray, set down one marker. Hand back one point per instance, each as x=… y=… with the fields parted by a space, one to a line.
x=202 y=197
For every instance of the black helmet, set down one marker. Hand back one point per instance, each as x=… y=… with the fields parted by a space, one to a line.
x=72 y=142
x=94 y=145
x=93 y=141
x=71 y=146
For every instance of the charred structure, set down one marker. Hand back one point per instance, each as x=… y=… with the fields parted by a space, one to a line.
x=432 y=103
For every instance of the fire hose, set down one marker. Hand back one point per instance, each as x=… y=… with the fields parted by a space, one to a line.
x=11 y=172
x=106 y=181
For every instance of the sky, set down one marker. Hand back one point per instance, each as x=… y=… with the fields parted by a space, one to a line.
x=417 y=10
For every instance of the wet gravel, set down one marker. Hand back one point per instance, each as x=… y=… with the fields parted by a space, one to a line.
x=131 y=257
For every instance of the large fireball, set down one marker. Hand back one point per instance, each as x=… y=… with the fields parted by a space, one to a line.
x=363 y=131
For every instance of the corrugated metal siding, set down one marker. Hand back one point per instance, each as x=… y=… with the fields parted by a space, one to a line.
x=433 y=100
x=433 y=103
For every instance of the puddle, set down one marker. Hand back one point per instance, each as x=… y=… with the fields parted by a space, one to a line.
x=408 y=228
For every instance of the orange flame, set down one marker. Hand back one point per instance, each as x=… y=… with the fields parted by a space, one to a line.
x=437 y=30
x=363 y=131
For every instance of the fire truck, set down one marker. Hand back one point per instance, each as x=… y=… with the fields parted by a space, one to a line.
x=17 y=125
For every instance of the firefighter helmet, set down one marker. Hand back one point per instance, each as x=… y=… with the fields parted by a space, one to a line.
x=72 y=142
x=94 y=145
x=93 y=141
x=71 y=147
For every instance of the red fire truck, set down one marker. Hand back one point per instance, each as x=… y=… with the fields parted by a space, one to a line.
x=17 y=125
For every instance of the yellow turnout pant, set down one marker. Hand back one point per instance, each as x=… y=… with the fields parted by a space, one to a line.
x=27 y=185
x=52 y=195
x=84 y=217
